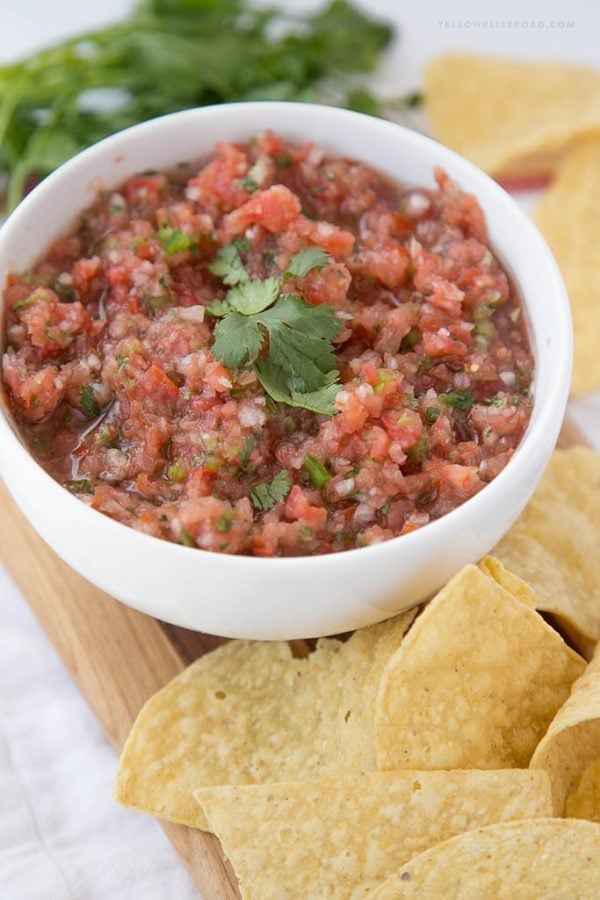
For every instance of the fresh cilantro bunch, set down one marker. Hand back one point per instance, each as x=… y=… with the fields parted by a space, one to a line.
x=171 y=55
x=286 y=340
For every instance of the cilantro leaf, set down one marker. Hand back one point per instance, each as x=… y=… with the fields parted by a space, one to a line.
x=299 y=341
x=274 y=381
x=306 y=260
x=217 y=308
x=80 y=486
x=242 y=243
x=228 y=265
x=174 y=240
x=265 y=495
x=458 y=399
x=252 y=297
x=238 y=340
x=300 y=366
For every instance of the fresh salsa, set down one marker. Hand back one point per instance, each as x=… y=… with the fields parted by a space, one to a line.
x=286 y=353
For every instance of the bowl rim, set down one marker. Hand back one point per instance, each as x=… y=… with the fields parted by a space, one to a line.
x=542 y=419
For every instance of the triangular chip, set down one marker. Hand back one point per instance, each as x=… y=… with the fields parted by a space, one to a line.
x=525 y=593
x=249 y=712
x=555 y=544
x=540 y=859
x=569 y=219
x=501 y=113
x=475 y=683
x=570 y=751
x=584 y=803
x=339 y=838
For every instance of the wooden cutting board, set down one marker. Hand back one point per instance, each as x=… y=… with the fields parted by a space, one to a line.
x=119 y=657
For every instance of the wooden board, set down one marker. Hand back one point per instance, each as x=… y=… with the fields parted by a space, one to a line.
x=119 y=657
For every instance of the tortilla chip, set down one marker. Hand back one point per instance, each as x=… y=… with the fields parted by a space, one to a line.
x=585 y=802
x=569 y=218
x=341 y=837
x=540 y=859
x=570 y=750
x=523 y=592
x=499 y=113
x=474 y=684
x=249 y=712
x=509 y=581
x=555 y=544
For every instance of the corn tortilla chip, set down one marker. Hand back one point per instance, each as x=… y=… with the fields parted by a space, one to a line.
x=509 y=581
x=555 y=544
x=585 y=802
x=539 y=859
x=474 y=684
x=339 y=838
x=570 y=750
x=500 y=113
x=569 y=218
x=523 y=592
x=249 y=712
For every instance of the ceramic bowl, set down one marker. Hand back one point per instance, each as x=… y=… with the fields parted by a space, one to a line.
x=296 y=597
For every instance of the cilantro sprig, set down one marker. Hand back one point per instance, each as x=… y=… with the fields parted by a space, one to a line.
x=265 y=495
x=228 y=264
x=286 y=340
x=306 y=260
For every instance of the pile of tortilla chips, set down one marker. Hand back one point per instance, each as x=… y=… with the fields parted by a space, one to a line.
x=520 y=121
x=454 y=752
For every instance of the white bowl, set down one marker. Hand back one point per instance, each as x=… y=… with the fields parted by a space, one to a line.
x=295 y=597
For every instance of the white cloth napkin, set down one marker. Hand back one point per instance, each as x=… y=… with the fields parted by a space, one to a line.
x=62 y=836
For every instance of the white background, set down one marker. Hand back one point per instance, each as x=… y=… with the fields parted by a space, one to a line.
x=62 y=837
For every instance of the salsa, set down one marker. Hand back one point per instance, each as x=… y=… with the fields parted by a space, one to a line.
x=286 y=353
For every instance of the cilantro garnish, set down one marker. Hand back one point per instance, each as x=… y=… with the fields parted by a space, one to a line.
x=174 y=240
x=228 y=264
x=299 y=368
x=217 y=308
x=88 y=402
x=252 y=297
x=265 y=495
x=458 y=399
x=274 y=381
x=306 y=260
x=238 y=340
x=80 y=486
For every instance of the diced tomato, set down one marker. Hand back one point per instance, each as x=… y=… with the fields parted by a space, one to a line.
x=298 y=507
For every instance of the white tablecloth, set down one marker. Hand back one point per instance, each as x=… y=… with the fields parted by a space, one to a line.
x=62 y=837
